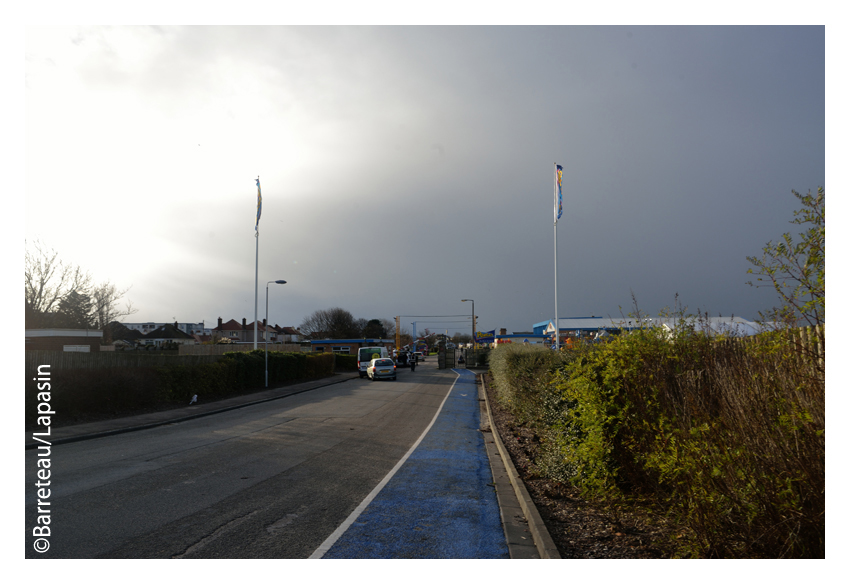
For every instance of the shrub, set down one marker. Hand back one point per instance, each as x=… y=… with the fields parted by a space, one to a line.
x=346 y=362
x=126 y=390
x=725 y=434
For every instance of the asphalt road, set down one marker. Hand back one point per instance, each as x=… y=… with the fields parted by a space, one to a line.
x=273 y=480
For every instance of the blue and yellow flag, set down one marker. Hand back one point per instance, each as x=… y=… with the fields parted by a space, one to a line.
x=259 y=205
x=559 y=171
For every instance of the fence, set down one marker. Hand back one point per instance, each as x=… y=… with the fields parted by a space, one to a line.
x=807 y=343
x=234 y=348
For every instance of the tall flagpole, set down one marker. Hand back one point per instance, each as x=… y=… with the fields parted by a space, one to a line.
x=257 y=257
x=256 y=272
x=557 y=216
x=557 y=336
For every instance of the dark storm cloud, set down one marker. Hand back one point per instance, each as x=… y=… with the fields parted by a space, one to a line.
x=407 y=168
x=680 y=148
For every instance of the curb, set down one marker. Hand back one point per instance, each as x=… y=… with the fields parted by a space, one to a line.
x=127 y=429
x=545 y=545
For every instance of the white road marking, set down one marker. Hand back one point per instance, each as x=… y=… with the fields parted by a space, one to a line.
x=332 y=539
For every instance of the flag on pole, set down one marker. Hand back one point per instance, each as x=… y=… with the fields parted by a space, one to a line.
x=558 y=197
x=259 y=205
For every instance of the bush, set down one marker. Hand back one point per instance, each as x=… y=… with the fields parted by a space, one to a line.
x=126 y=390
x=346 y=362
x=725 y=434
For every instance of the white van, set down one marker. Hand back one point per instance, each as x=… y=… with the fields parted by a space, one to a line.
x=365 y=356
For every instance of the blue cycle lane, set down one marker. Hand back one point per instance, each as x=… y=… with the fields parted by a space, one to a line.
x=440 y=503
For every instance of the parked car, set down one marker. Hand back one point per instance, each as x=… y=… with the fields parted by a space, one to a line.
x=381 y=369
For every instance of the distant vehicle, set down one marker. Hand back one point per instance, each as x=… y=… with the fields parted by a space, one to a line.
x=420 y=356
x=365 y=356
x=403 y=359
x=381 y=369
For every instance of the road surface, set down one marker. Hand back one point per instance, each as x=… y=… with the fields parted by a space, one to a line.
x=279 y=479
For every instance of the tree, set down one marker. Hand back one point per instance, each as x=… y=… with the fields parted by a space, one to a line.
x=360 y=325
x=374 y=329
x=105 y=299
x=461 y=338
x=796 y=269
x=47 y=280
x=74 y=311
x=389 y=327
x=57 y=292
x=334 y=323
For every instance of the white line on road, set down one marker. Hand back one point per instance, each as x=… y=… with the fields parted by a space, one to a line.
x=331 y=540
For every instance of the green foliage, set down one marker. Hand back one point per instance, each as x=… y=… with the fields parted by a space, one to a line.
x=797 y=269
x=74 y=311
x=519 y=372
x=346 y=362
x=374 y=329
x=727 y=435
x=128 y=390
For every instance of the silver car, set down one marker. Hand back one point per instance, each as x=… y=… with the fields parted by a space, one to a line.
x=381 y=368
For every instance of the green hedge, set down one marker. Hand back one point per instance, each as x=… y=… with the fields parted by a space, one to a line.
x=726 y=436
x=346 y=362
x=80 y=392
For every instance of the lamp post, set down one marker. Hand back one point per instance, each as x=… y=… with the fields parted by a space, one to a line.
x=473 y=319
x=267 y=326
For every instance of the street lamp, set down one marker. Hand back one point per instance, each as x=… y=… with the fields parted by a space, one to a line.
x=473 y=319
x=267 y=326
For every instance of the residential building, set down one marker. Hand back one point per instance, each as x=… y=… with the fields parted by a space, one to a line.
x=244 y=333
x=190 y=328
x=167 y=334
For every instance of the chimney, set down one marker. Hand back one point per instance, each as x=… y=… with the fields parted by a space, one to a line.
x=264 y=322
x=503 y=332
x=219 y=322
x=244 y=324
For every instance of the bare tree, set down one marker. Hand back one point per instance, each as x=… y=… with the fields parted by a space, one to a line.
x=334 y=323
x=389 y=327
x=47 y=279
x=105 y=299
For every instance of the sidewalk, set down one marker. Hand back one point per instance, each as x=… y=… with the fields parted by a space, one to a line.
x=151 y=420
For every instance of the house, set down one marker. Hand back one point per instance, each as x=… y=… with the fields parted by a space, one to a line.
x=167 y=334
x=244 y=333
x=190 y=328
x=116 y=331
x=288 y=334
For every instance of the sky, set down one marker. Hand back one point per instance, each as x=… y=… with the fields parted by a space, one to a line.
x=404 y=169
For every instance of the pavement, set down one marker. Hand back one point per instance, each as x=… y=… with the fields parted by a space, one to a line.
x=525 y=533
